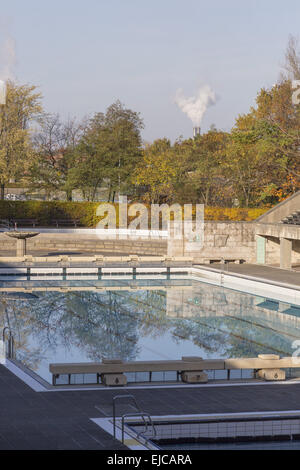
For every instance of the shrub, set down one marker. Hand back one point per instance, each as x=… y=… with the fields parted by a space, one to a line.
x=47 y=212
x=234 y=214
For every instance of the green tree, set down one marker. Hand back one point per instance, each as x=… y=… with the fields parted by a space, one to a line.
x=108 y=152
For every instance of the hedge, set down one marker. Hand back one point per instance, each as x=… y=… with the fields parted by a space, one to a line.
x=47 y=212
x=235 y=214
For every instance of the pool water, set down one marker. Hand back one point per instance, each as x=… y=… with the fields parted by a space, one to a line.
x=86 y=321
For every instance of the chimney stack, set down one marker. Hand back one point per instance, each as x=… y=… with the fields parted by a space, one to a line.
x=196 y=131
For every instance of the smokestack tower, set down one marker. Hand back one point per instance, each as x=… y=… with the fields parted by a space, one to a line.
x=196 y=131
x=2 y=92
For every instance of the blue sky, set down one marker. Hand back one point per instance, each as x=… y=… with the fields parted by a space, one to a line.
x=85 y=54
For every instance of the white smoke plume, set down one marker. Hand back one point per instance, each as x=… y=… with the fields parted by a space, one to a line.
x=196 y=106
x=8 y=59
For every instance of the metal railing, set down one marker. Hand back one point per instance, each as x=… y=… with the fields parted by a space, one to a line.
x=10 y=350
x=146 y=418
x=122 y=397
x=139 y=415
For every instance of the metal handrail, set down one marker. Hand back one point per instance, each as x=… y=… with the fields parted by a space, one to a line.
x=120 y=397
x=11 y=341
x=4 y=331
x=142 y=415
x=131 y=415
x=152 y=426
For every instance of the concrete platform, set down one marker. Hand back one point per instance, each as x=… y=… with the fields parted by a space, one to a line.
x=264 y=273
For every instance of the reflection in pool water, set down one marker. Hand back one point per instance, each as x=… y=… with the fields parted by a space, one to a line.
x=163 y=321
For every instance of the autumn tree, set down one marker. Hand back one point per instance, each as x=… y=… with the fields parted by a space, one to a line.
x=274 y=124
x=205 y=177
x=251 y=163
x=158 y=172
x=277 y=107
x=23 y=106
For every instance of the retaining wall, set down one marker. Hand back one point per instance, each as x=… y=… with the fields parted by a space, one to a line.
x=228 y=240
x=78 y=242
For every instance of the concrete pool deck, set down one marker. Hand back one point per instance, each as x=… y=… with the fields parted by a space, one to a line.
x=62 y=420
x=264 y=273
x=260 y=272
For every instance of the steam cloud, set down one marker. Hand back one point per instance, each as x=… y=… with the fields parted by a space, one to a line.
x=196 y=106
x=8 y=59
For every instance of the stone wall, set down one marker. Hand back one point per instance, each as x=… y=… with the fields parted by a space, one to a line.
x=228 y=240
x=76 y=242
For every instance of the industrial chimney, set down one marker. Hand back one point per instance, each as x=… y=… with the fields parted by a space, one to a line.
x=196 y=131
x=2 y=92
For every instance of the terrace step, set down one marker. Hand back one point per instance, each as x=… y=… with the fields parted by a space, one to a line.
x=293 y=219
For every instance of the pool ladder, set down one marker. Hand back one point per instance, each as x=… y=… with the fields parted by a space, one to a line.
x=145 y=430
x=139 y=414
x=10 y=351
x=222 y=271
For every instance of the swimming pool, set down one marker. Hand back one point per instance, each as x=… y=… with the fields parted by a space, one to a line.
x=87 y=320
x=264 y=431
